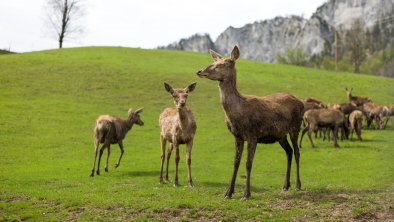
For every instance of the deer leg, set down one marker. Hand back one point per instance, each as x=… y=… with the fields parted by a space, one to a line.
x=302 y=134
x=189 y=146
x=249 y=162
x=358 y=131
x=168 y=160
x=335 y=135
x=99 y=160
x=293 y=138
x=120 y=143
x=176 y=164
x=310 y=137
x=106 y=163
x=96 y=145
x=239 y=147
x=289 y=153
x=162 y=157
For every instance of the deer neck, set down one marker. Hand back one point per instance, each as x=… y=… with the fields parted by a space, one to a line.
x=183 y=117
x=229 y=95
x=128 y=124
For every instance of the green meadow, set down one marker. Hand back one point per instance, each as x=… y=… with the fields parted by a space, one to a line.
x=49 y=101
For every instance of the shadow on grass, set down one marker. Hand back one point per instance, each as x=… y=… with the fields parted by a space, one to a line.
x=238 y=187
x=148 y=173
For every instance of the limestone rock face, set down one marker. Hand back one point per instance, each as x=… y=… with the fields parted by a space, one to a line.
x=264 y=40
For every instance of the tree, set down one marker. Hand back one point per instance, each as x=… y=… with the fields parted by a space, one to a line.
x=293 y=57
x=355 y=39
x=63 y=16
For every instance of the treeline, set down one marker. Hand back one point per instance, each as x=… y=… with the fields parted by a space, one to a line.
x=358 y=49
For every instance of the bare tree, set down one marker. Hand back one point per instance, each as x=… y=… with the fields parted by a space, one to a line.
x=63 y=16
x=355 y=38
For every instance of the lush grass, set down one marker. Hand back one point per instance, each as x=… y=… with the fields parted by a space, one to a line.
x=49 y=102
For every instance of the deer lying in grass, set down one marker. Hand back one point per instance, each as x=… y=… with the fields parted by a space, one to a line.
x=356 y=100
x=177 y=125
x=255 y=119
x=356 y=123
x=331 y=118
x=111 y=130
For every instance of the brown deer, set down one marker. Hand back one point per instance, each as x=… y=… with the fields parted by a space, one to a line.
x=177 y=125
x=356 y=123
x=111 y=130
x=331 y=118
x=356 y=100
x=254 y=119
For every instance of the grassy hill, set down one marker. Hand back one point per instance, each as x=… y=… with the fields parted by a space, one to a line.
x=49 y=102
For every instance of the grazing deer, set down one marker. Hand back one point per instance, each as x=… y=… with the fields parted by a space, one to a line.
x=177 y=125
x=255 y=119
x=111 y=130
x=356 y=100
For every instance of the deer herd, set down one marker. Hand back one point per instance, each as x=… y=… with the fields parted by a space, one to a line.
x=251 y=119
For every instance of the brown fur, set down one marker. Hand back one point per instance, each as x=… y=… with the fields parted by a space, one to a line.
x=316 y=101
x=356 y=123
x=367 y=108
x=357 y=100
x=255 y=119
x=378 y=113
x=330 y=118
x=177 y=126
x=346 y=108
x=111 y=130
x=390 y=112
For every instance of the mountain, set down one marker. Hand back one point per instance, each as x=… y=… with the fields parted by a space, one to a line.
x=265 y=40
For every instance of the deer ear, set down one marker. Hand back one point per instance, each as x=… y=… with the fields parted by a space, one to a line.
x=130 y=111
x=168 y=88
x=235 y=53
x=138 y=111
x=191 y=87
x=346 y=89
x=216 y=56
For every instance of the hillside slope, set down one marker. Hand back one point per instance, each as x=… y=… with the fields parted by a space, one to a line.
x=49 y=102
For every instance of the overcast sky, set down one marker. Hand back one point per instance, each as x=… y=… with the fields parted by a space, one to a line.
x=139 y=23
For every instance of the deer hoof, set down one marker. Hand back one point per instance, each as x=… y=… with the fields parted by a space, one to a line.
x=98 y=172
x=116 y=165
x=92 y=174
x=175 y=184
x=106 y=170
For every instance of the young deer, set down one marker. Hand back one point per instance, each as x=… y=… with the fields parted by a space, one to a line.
x=177 y=125
x=110 y=130
x=255 y=119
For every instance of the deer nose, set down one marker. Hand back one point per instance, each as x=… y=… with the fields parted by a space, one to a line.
x=198 y=72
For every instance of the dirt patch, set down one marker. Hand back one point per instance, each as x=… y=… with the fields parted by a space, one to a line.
x=75 y=214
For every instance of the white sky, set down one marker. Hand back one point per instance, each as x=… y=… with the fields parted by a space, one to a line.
x=139 y=23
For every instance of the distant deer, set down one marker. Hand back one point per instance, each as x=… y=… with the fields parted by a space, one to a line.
x=356 y=100
x=331 y=118
x=111 y=130
x=177 y=125
x=255 y=119
x=356 y=123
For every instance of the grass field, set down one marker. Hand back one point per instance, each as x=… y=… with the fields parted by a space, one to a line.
x=49 y=102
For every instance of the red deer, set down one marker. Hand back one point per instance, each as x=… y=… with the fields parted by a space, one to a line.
x=356 y=123
x=111 y=130
x=357 y=100
x=331 y=118
x=177 y=125
x=254 y=119
x=389 y=114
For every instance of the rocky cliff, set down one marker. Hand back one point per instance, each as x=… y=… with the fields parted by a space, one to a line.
x=263 y=41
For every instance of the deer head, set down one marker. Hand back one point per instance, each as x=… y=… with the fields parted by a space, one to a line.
x=221 y=68
x=180 y=95
x=134 y=116
x=349 y=92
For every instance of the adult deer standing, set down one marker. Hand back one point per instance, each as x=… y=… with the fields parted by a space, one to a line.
x=177 y=125
x=255 y=119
